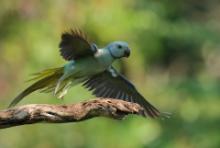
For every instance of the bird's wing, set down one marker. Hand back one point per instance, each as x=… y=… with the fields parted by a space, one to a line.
x=74 y=45
x=111 y=84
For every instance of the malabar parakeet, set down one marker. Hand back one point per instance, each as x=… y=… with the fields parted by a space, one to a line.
x=92 y=67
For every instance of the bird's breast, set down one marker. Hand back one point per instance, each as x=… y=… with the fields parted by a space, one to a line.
x=93 y=64
x=89 y=66
x=104 y=58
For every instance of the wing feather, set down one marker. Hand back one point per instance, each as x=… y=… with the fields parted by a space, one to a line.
x=74 y=45
x=117 y=86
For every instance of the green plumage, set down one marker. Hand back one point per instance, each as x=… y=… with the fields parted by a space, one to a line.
x=46 y=81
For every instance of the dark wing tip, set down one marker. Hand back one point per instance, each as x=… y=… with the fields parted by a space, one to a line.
x=152 y=112
x=68 y=36
x=79 y=33
x=74 y=44
x=105 y=85
x=155 y=113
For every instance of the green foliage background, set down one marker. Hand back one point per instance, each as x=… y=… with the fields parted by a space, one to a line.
x=175 y=62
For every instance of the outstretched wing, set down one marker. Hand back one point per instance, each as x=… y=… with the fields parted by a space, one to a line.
x=111 y=84
x=74 y=45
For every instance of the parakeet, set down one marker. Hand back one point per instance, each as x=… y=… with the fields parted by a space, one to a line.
x=92 y=67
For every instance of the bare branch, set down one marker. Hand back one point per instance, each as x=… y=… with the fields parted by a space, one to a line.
x=29 y=114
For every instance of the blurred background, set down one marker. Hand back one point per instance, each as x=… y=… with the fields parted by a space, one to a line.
x=175 y=63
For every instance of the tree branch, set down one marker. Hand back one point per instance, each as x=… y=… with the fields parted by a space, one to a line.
x=34 y=113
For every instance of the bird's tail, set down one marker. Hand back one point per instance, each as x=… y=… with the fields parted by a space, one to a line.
x=45 y=81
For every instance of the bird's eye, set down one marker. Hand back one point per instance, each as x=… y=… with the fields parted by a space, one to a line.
x=119 y=47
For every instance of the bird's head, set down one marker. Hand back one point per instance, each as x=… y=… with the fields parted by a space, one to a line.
x=119 y=49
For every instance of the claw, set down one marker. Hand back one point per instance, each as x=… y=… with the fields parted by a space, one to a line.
x=64 y=90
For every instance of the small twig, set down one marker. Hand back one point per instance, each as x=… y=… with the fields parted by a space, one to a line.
x=29 y=114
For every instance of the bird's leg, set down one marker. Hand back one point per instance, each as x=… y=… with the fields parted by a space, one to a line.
x=58 y=85
x=64 y=90
x=68 y=71
x=112 y=71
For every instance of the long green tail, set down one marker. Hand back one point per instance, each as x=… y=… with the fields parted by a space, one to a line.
x=45 y=81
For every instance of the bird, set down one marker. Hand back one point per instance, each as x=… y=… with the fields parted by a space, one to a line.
x=92 y=67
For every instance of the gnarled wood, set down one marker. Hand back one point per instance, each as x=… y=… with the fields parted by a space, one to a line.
x=29 y=114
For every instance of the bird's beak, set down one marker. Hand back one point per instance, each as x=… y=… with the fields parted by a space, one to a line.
x=127 y=52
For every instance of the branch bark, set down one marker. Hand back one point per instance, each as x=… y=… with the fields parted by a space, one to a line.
x=35 y=113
